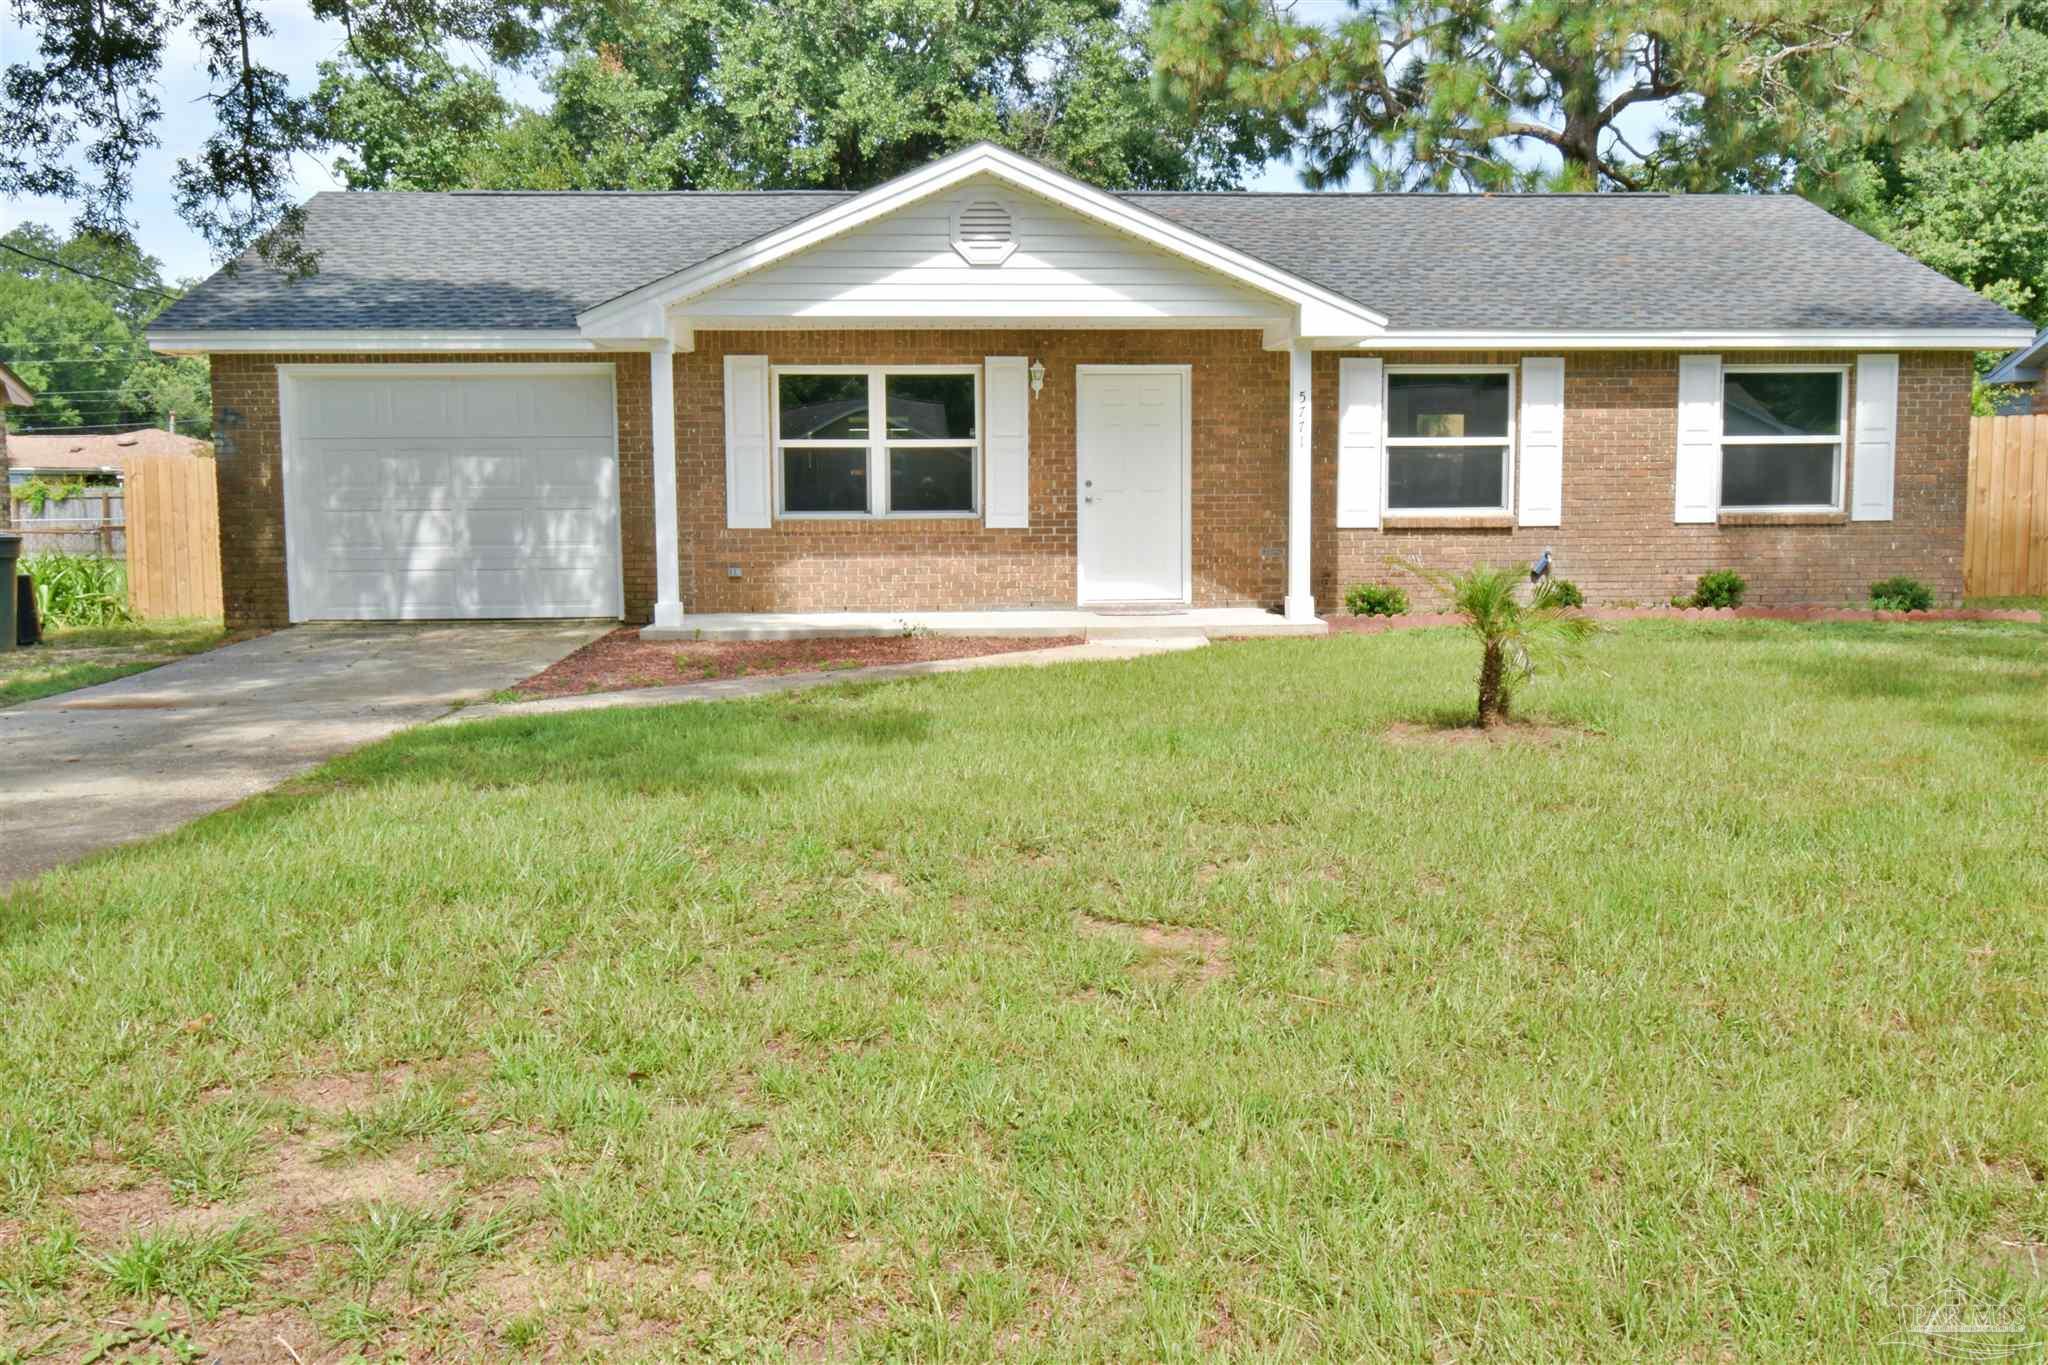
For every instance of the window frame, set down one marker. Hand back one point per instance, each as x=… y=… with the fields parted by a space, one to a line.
x=1840 y=439
x=877 y=442
x=1389 y=442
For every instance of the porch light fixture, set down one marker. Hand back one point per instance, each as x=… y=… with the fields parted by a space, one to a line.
x=1037 y=377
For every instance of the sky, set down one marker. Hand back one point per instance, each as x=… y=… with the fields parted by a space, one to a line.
x=296 y=49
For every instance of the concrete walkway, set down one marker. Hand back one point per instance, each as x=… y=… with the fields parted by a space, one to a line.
x=104 y=765
x=731 y=689
x=1109 y=623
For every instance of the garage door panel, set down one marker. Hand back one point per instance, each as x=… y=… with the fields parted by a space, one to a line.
x=504 y=473
x=456 y=496
x=501 y=407
x=342 y=410
x=561 y=529
x=419 y=408
x=585 y=413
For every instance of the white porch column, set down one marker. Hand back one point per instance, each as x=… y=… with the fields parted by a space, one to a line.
x=1301 y=603
x=668 y=575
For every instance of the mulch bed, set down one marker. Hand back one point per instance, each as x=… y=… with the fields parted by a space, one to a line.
x=622 y=660
x=1374 y=625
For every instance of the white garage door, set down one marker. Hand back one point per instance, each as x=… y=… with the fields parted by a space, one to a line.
x=431 y=495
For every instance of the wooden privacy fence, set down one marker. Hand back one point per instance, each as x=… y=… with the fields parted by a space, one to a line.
x=2005 y=540
x=173 y=536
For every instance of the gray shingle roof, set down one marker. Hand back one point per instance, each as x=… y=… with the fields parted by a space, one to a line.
x=511 y=261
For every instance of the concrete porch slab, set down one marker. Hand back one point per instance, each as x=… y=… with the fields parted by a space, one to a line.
x=1202 y=623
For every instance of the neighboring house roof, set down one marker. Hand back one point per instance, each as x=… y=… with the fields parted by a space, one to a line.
x=14 y=393
x=2028 y=365
x=1429 y=263
x=94 y=453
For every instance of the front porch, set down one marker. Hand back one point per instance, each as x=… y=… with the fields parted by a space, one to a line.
x=1204 y=623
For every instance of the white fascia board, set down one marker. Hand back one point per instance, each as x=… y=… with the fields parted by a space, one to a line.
x=1327 y=313
x=2023 y=366
x=1987 y=339
x=204 y=342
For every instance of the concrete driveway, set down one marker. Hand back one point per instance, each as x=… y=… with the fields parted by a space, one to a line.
x=105 y=765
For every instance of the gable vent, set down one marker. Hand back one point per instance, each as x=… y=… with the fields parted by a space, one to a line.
x=982 y=232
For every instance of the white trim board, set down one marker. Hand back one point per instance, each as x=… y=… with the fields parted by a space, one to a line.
x=191 y=341
x=1818 y=340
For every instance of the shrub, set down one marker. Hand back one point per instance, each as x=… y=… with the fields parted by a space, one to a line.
x=1901 y=593
x=1376 y=599
x=1720 y=588
x=1566 y=593
x=79 y=590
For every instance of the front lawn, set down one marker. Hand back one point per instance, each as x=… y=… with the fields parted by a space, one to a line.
x=1151 y=1010
x=83 y=656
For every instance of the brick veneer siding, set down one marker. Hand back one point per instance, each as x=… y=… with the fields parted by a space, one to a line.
x=1239 y=478
x=1618 y=541
x=248 y=468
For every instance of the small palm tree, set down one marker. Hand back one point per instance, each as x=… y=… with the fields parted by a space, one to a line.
x=1512 y=634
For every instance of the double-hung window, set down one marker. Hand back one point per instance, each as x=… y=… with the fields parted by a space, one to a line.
x=1781 y=438
x=1449 y=435
x=878 y=442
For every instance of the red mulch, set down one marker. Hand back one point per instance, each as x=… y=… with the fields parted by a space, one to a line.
x=1373 y=625
x=622 y=660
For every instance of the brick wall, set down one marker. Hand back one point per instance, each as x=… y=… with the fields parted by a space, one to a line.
x=1239 y=445
x=1617 y=540
x=247 y=461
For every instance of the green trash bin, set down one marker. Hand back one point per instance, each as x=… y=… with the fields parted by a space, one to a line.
x=10 y=555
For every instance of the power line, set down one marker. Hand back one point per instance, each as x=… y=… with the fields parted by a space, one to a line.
x=77 y=270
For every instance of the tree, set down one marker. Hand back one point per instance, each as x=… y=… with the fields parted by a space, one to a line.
x=72 y=315
x=79 y=112
x=731 y=94
x=67 y=345
x=1513 y=636
x=1444 y=94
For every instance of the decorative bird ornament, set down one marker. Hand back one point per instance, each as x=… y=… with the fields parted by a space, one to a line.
x=1540 y=569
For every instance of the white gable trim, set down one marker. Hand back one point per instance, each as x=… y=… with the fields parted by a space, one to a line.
x=1322 y=313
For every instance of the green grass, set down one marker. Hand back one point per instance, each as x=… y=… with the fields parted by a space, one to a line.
x=1157 y=1010
x=2008 y=603
x=71 y=658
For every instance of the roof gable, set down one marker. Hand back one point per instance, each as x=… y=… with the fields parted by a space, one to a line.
x=927 y=261
x=1319 y=312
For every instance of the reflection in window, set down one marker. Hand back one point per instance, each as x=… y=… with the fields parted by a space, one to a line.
x=872 y=442
x=1447 y=441
x=1781 y=441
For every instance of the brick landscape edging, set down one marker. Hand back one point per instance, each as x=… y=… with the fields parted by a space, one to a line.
x=1374 y=625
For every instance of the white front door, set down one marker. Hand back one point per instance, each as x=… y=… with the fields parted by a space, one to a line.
x=1131 y=445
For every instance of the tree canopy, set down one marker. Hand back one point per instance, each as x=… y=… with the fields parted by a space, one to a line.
x=72 y=314
x=1444 y=94
x=731 y=94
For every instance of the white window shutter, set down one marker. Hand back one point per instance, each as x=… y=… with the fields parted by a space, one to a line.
x=1542 y=433
x=1877 y=438
x=1006 y=484
x=1699 y=439
x=1361 y=441
x=749 y=478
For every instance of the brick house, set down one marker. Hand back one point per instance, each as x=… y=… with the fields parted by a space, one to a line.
x=986 y=385
x=2019 y=384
